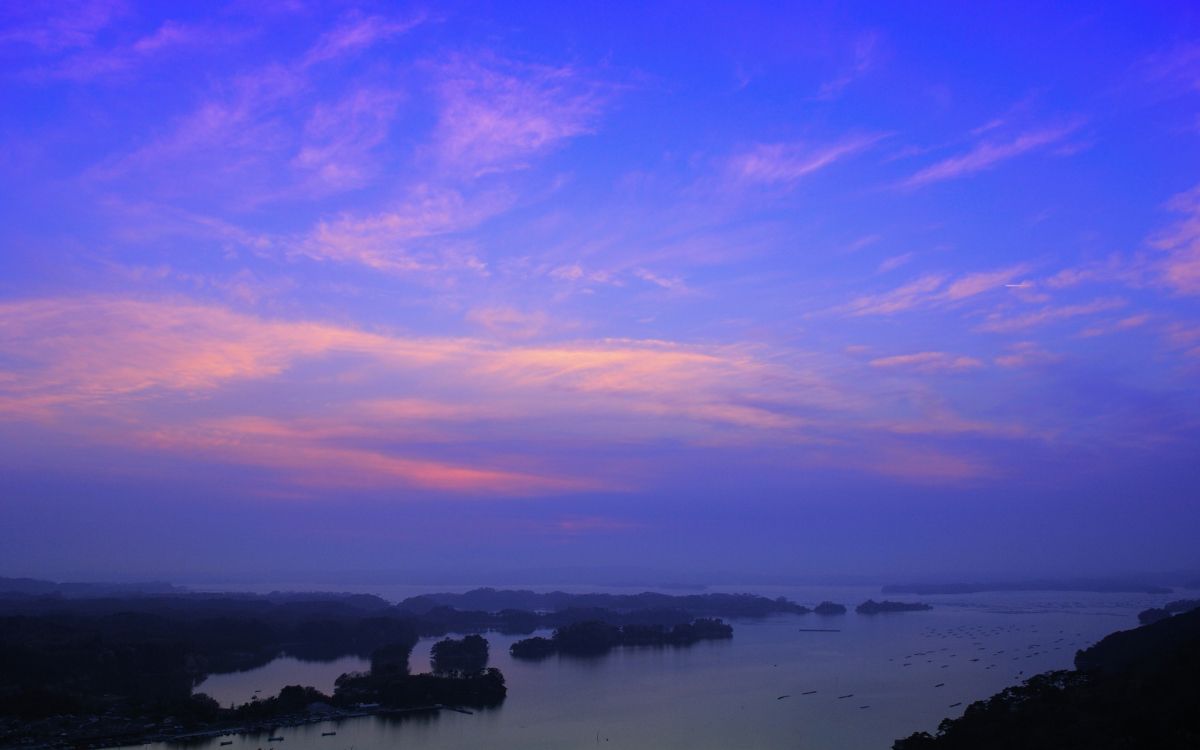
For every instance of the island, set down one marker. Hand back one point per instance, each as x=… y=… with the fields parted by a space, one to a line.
x=596 y=637
x=1154 y=614
x=872 y=607
x=830 y=608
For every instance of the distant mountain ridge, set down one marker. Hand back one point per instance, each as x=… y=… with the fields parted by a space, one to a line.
x=38 y=587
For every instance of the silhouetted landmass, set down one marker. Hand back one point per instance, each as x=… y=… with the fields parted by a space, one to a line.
x=1133 y=689
x=1154 y=614
x=830 y=608
x=1094 y=586
x=872 y=607
x=37 y=587
x=597 y=637
x=469 y=654
x=697 y=605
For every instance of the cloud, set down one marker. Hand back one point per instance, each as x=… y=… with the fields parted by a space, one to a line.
x=497 y=114
x=866 y=52
x=913 y=294
x=986 y=155
x=1127 y=323
x=931 y=290
x=894 y=262
x=311 y=459
x=784 y=163
x=1179 y=268
x=927 y=362
x=356 y=33
x=52 y=26
x=1003 y=323
x=1026 y=354
x=391 y=240
x=509 y=322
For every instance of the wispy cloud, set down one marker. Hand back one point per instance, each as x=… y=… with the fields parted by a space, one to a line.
x=865 y=55
x=1179 y=269
x=390 y=240
x=497 y=114
x=1026 y=354
x=1001 y=322
x=784 y=163
x=52 y=27
x=988 y=154
x=934 y=289
x=927 y=362
x=356 y=33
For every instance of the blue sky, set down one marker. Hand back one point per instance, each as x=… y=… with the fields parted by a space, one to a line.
x=828 y=288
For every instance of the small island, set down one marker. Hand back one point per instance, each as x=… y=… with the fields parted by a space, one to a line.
x=872 y=607
x=830 y=608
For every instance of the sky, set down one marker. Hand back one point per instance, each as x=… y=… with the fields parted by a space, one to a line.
x=356 y=289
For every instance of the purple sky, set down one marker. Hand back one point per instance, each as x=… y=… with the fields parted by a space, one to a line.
x=894 y=289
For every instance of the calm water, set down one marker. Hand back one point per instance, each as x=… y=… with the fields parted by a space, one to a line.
x=728 y=694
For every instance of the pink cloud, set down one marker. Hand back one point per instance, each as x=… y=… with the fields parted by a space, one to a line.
x=1002 y=323
x=913 y=294
x=1026 y=354
x=776 y=163
x=987 y=155
x=56 y=25
x=987 y=281
x=390 y=240
x=497 y=114
x=1127 y=323
x=927 y=362
x=309 y=460
x=508 y=322
x=1179 y=269
x=357 y=33
x=894 y=262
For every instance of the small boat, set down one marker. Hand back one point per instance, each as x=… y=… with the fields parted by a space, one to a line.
x=226 y=742
x=847 y=695
x=940 y=684
x=783 y=696
x=328 y=734
x=274 y=739
x=955 y=705
x=809 y=692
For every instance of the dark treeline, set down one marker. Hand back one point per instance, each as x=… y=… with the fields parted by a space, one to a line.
x=598 y=637
x=1133 y=689
x=1154 y=614
x=698 y=605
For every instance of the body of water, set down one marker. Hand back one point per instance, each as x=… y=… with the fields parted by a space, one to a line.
x=875 y=679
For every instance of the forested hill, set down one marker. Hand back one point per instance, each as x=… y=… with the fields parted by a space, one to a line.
x=1134 y=689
